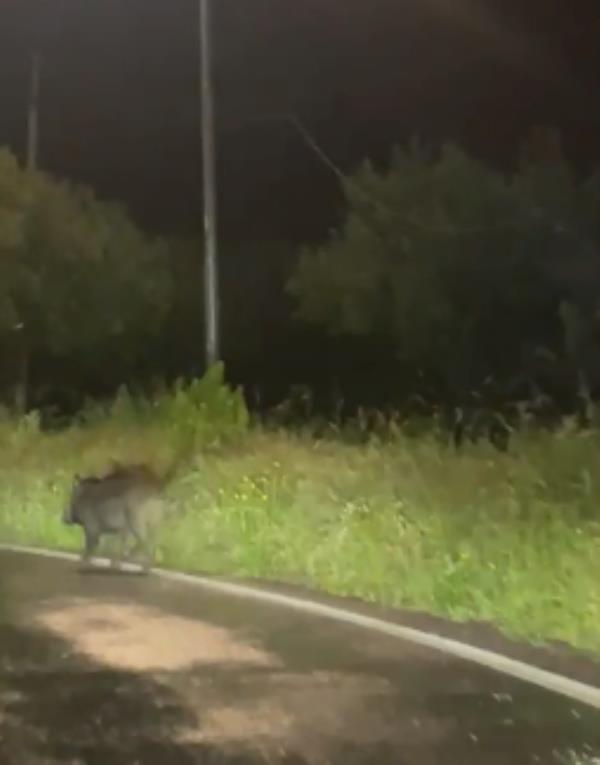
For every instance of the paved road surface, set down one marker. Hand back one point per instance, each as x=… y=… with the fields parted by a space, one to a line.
x=118 y=669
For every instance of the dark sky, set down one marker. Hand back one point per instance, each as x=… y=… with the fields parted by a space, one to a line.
x=120 y=106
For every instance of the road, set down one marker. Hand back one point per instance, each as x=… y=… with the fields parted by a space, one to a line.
x=123 y=669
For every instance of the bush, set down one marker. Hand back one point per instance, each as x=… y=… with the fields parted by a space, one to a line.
x=204 y=412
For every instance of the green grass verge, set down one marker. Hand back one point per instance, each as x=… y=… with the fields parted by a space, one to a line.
x=514 y=539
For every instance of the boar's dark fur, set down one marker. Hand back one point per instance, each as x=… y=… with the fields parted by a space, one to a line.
x=127 y=503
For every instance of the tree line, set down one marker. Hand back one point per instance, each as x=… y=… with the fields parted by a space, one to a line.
x=468 y=274
x=460 y=273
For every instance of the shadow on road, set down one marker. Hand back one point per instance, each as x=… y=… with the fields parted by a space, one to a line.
x=59 y=708
x=125 y=670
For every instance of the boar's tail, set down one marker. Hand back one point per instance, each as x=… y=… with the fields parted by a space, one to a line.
x=182 y=458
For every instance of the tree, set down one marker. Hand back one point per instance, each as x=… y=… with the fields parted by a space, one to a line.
x=434 y=254
x=78 y=277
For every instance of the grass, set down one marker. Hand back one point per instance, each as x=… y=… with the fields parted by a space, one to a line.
x=514 y=539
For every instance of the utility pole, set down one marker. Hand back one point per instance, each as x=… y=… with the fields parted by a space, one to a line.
x=33 y=113
x=22 y=385
x=211 y=286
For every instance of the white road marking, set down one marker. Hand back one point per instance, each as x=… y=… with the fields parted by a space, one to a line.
x=581 y=692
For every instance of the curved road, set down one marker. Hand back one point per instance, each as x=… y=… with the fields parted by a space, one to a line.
x=116 y=668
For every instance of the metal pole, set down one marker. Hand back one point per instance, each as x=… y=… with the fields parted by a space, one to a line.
x=211 y=287
x=33 y=114
x=22 y=386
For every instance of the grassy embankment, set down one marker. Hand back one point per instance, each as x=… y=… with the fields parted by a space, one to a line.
x=514 y=539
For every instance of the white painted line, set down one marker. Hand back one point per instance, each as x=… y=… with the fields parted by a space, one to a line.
x=581 y=692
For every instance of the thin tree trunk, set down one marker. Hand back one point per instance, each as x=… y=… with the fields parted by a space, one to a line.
x=22 y=386
x=584 y=400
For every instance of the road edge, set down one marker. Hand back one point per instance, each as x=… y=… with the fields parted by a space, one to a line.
x=573 y=689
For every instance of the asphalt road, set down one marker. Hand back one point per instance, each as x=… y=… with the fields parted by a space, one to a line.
x=119 y=669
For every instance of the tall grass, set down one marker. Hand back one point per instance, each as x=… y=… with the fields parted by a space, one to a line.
x=512 y=538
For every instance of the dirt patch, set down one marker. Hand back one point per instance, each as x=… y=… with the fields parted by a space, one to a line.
x=141 y=638
x=263 y=720
x=309 y=714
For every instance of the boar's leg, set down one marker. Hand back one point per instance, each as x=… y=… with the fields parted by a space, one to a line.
x=117 y=552
x=92 y=539
x=142 y=546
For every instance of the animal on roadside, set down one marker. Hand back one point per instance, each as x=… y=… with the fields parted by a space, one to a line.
x=127 y=503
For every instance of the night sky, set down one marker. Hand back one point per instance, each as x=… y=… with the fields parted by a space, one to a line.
x=120 y=95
